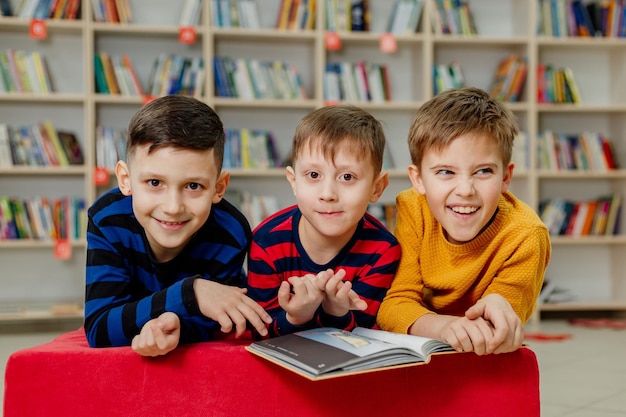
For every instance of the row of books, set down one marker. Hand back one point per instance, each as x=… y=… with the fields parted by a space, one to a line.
x=358 y=82
x=250 y=79
x=297 y=15
x=586 y=151
x=42 y=9
x=250 y=149
x=509 y=79
x=116 y=75
x=110 y=146
x=405 y=17
x=38 y=145
x=446 y=77
x=556 y=85
x=42 y=218
x=112 y=11
x=453 y=17
x=563 y=18
x=235 y=14
x=24 y=72
x=347 y=16
x=175 y=74
x=598 y=217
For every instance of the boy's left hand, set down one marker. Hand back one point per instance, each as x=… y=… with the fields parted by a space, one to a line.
x=508 y=333
x=339 y=297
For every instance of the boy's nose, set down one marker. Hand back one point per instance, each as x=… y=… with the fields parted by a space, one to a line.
x=173 y=203
x=328 y=191
x=465 y=186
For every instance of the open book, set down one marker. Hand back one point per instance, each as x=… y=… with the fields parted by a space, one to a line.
x=328 y=352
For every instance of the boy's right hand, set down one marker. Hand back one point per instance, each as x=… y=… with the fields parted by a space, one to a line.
x=230 y=306
x=158 y=336
x=300 y=297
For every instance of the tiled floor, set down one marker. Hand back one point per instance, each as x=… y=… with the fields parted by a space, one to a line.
x=584 y=376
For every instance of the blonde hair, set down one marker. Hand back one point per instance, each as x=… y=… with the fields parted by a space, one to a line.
x=458 y=112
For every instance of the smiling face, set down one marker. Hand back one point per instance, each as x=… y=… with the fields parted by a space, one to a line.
x=462 y=183
x=173 y=190
x=333 y=193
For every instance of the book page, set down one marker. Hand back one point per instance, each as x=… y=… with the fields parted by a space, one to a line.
x=424 y=346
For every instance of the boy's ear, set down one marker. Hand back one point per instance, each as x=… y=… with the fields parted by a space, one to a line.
x=220 y=187
x=416 y=179
x=507 y=177
x=291 y=177
x=380 y=185
x=122 y=174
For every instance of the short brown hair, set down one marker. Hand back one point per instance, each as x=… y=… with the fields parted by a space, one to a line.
x=328 y=127
x=457 y=112
x=179 y=121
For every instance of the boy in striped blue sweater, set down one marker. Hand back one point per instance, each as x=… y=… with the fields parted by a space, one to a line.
x=326 y=261
x=164 y=250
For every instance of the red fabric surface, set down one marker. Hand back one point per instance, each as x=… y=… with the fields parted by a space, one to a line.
x=67 y=378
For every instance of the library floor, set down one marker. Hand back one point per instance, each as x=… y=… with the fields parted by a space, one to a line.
x=582 y=376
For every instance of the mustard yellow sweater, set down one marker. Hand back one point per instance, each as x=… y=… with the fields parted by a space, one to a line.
x=508 y=258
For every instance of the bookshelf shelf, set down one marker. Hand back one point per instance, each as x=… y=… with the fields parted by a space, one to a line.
x=44 y=170
x=505 y=27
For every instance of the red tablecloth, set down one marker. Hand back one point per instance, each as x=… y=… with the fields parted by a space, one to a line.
x=67 y=378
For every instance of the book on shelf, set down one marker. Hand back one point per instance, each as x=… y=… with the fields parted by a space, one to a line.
x=6 y=160
x=405 y=16
x=329 y=352
x=231 y=13
x=190 y=13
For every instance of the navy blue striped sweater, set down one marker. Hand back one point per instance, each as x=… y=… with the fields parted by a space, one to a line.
x=126 y=287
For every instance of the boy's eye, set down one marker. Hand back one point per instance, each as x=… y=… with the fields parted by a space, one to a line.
x=444 y=172
x=154 y=183
x=194 y=186
x=313 y=175
x=484 y=171
x=346 y=177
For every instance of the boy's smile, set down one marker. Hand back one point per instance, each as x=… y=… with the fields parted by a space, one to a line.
x=462 y=184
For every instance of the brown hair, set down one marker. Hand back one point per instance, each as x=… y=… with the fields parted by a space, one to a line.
x=329 y=127
x=179 y=121
x=457 y=112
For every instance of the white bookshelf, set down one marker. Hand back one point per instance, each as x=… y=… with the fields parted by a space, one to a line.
x=593 y=267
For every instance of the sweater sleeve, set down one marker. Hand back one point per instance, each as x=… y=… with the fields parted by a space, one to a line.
x=403 y=304
x=520 y=278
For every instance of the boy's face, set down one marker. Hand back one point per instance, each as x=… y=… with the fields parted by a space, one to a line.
x=173 y=190
x=333 y=195
x=462 y=184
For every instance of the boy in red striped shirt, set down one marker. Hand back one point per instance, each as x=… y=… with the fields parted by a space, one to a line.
x=326 y=262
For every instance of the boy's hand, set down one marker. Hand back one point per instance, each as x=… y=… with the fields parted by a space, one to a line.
x=466 y=335
x=158 y=336
x=339 y=297
x=300 y=297
x=230 y=306
x=508 y=333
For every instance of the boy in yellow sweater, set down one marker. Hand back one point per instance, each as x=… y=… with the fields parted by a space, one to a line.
x=473 y=255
